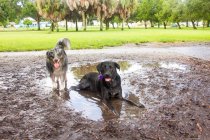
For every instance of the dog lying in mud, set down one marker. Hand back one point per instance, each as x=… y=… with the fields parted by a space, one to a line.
x=57 y=64
x=107 y=83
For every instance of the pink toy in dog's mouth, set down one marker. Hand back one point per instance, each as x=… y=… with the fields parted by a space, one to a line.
x=56 y=65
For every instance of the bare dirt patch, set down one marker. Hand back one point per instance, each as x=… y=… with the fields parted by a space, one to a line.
x=174 y=87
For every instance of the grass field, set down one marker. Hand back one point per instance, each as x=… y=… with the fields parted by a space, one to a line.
x=42 y=40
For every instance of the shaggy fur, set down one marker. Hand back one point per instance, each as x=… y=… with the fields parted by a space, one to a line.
x=57 y=64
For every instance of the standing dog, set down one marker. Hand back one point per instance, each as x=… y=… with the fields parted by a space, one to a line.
x=57 y=64
x=107 y=82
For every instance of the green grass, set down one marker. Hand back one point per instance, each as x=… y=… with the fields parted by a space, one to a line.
x=43 y=40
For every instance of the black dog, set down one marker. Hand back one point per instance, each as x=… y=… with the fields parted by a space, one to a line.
x=107 y=82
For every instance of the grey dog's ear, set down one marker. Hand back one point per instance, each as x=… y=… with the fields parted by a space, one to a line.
x=63 y=43
x=49 y=54
x=99 y=67
x=117 y=65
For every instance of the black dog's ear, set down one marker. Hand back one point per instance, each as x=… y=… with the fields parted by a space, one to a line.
x=99 y=67
x=117 y=65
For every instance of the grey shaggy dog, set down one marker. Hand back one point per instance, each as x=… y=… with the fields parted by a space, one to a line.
x=57 y=64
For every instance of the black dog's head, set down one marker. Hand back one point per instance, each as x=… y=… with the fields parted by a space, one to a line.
x=57 y=55
x=108 y=70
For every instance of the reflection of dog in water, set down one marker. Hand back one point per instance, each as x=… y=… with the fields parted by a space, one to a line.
x=107 y=82
x=106 y=113
x=57 y=64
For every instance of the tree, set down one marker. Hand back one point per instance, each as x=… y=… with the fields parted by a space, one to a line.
x=205 y=11
x=177 y=14
x=52 y=10
x=29 y=9
x=104 y=11
x=27 y=22
x=125 y=8
x=3 y=14
x=143 y=11
x=165 y=12
x=84 y=7
x=10 y=10
x=193 y=11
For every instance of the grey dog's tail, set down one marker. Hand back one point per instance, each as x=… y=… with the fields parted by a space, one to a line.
x=63 y=43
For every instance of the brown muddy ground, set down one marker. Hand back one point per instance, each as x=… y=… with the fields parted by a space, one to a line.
x=171 y=80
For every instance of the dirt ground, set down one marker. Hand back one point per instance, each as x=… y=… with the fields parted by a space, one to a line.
x=177 y=99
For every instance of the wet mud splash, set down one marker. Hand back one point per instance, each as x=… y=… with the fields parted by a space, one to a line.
x=91 y=108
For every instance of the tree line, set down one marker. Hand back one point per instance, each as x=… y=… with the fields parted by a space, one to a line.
x=157 y=12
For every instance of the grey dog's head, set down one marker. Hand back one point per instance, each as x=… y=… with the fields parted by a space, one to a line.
x=108 y=70
x=57 y=55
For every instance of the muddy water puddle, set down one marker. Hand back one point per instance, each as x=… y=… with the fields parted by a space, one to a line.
x=90 y=106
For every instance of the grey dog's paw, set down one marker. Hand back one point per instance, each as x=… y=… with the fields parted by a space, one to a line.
x=64 y=94
x=141 y=105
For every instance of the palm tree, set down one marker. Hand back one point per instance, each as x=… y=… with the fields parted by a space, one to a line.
x=84 y=7
x=53 y=10
x=125 y=8
x=105 y=9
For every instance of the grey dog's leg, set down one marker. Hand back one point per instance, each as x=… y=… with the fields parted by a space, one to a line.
x=54 y=82
x=63 y=82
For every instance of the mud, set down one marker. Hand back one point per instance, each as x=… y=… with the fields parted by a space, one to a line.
x=171 y=80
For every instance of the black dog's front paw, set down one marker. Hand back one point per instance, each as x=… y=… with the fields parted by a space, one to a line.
x=76 y=88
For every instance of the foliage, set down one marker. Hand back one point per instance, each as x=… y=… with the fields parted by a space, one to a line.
x=9 y=11
x=153 y=11
x=27 y=22
x=52 y=10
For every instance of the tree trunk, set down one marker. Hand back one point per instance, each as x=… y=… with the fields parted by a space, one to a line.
x=66 y=25
x=152 y=24
x=145 y=24
x=193 y=23
x=52 y=27
x=128 y=26
x=107 y=24
x=76 y=25
x=57 y=28
x=208 y=22
x=178 y=25
x=187 y=25
x=113 y=25
x=164 y=24
x=84 y=17
x=158 y=24
x=122 y=25
x=101 y=23
x=38 y=22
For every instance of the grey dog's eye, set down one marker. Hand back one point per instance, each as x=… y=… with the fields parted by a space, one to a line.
x=50 y=54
